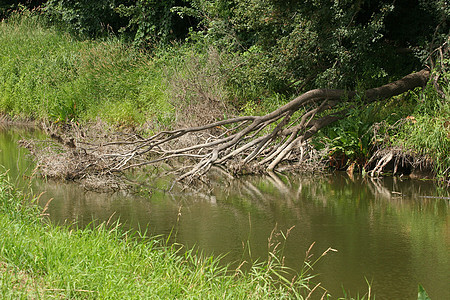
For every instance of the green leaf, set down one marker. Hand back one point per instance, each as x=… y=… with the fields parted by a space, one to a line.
x=422 y=295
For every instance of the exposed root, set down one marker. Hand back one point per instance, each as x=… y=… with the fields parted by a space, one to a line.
x=245 y=144
x=382 y=163
x=69 y=154
x=397 y=161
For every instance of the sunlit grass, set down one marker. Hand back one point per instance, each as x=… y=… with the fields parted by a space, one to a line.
x=48 y=74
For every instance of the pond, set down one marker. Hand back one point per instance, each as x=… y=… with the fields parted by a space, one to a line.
x=392 y=232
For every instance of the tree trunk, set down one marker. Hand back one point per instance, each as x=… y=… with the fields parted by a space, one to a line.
x=251 y=142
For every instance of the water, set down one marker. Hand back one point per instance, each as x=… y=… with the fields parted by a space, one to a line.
x=385 y=230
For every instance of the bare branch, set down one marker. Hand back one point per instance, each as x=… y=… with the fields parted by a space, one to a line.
x=252 y=141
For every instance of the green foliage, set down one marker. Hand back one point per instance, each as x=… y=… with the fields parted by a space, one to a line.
x=284 y=46
x=48 y=74
x=143 y=22
x=149 y=21
x=349 y=140
x=83 y=18
x=427 y=130
x=422 y=294
x=275 y=47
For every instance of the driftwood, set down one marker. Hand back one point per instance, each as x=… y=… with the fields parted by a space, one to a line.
x=246 y=140
x=247 y=143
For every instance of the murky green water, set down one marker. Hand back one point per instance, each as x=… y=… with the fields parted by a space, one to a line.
x=387 y=230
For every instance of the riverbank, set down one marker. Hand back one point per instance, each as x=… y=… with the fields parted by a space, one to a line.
x=49 y=75
x=42 y=260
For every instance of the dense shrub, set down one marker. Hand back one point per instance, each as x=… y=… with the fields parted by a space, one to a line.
x=142 y=22
x=286 y=46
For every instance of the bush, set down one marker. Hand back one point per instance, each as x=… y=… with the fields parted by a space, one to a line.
x=84 y=18
x=287 y=47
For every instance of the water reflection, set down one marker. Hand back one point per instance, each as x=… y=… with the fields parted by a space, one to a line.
x=387 y=230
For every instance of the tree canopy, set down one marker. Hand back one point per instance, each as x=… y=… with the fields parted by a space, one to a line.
x=333 y=44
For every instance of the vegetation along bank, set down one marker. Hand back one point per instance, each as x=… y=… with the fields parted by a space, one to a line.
x=148 y=67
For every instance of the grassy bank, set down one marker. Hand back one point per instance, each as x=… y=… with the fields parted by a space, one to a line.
x=415 y=124
x=47 y=74
x=40 y=260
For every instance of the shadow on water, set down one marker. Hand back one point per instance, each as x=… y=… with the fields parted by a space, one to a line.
x=394 y=232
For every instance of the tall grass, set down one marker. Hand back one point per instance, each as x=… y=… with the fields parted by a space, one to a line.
x=427 y=131
x=48 y=74
x=41 y=260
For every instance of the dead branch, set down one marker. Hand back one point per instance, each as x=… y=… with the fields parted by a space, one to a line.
x=258 y=142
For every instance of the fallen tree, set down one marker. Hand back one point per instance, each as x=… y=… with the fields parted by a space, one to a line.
x=253 y=143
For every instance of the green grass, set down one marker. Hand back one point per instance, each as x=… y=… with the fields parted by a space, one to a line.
x=48 y=74
x=427 y=130
x=41 y=260
x=45 y=73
